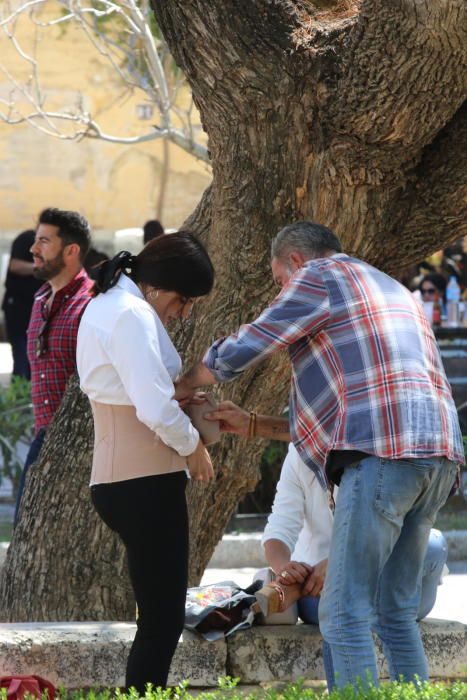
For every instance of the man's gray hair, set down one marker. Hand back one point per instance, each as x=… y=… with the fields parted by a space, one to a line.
x=306 y=237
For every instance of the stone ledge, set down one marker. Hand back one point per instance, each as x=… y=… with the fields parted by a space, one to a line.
x=93 y=654
x=239 y=551
x=86 y=654
x=3 y=550
x=285 y=653
x=245 y=550
x=457 y=544
x=276 y=653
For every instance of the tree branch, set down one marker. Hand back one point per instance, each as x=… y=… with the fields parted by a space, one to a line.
x=402 y=77
x=147 y=74
x=92 y=130
x=262 y=30
x=437 y=199
x=19 y=10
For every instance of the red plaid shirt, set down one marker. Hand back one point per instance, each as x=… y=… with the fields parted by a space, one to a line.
x=367 y=374
x=51 y=370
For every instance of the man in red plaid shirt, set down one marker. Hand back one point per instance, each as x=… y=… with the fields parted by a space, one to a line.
x=61 y=243
x=370 y=407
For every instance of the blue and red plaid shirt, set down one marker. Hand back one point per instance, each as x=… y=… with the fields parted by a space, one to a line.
x=51 y=370
x=366 y=370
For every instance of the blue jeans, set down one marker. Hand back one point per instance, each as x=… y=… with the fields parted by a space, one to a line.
x=31 y=457
x=382 y=522
x=433 y=563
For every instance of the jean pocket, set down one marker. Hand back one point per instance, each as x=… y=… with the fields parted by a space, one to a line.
x=399 y=484
x=441 y=488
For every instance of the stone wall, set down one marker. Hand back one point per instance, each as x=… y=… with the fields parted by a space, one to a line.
x=116 y=186
x=86 y=654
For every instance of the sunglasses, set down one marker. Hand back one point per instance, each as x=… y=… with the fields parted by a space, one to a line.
x=42 y=344
x=428 y=290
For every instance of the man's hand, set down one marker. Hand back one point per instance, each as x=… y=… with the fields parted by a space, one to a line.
x=232 y=418
x=199 y=464
x=293 y=572
x=315 y=581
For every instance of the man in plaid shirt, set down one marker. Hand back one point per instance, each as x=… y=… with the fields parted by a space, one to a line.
x=61 y=243
x=370 y=407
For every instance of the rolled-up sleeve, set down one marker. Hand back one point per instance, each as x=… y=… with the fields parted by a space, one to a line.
x=301 y=309
x=288 y=511
x=134 y=350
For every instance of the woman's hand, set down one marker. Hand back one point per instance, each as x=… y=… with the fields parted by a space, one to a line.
x=293 y=572
x=197 y=399
x=184 y=393
x=232 y=418
x=199 y=464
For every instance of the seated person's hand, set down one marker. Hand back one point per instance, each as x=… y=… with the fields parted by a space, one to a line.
x=293 y=572
x=315 y=580
x=232 y=418
x=199 y=464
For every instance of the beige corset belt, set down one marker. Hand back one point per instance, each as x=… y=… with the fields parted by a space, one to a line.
x=125 y=448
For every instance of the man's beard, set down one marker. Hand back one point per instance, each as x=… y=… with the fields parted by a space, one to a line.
x=51 y=268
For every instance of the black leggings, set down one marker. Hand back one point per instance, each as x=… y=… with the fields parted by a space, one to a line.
x=150 y=515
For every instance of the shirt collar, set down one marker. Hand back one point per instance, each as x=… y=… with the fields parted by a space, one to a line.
x=126 y=283
x=334 y=256
x=68 y=290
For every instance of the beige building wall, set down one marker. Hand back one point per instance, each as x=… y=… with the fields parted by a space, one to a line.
x=115 y=186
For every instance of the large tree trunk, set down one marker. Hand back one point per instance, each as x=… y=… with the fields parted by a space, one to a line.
x=63 y=562
x=345 y=112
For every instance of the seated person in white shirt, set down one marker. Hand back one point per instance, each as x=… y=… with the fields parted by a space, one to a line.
x=298 y=534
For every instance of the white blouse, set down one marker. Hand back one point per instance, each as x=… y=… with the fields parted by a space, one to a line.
x=125 y=357
x=300 y=517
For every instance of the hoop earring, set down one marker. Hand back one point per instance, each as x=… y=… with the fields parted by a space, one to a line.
x=153 y=293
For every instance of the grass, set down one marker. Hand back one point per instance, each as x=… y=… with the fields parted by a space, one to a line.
x=451 y=521
x=230 y=690
x=5 y=532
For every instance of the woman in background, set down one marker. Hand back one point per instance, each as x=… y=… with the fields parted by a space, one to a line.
x=433 y=288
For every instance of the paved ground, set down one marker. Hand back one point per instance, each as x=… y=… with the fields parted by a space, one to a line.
x=6 y=363
x=451 y=603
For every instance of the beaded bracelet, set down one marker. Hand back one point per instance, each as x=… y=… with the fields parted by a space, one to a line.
x=280 y=591
x=252 y=424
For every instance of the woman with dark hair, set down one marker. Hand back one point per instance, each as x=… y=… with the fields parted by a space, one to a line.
x=433 y=288
x=143 y=440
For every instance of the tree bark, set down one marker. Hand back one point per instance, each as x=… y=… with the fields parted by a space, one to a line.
x=347 y=112
x=63 y=563
x=324 y=113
